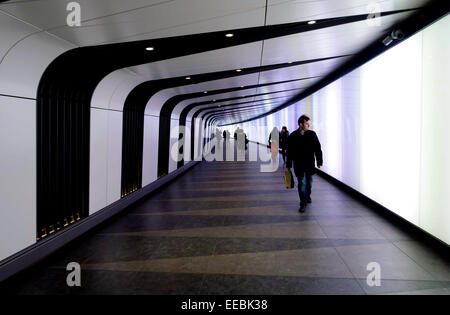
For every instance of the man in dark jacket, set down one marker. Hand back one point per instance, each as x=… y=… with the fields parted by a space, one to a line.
x=303 y=149
x=284 y=134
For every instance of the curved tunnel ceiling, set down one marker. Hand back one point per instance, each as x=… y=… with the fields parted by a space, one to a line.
x=269 y=34
x=279 y=52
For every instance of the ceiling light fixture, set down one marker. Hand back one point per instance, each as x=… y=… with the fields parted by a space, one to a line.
x=149 y=48
x=188 y=78
x=238 y=70
x=311 y=22
x=229 y=35
x=205 y=92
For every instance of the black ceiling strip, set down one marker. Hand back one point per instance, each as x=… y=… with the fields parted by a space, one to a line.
x=409 y=27
x=241 y=103
x=216 y=109
x=164 y=123
x=203 y=124
x=140 y=95
x=237 y=109
x=247 y=96
x=78 y=72
x=188 y=108
x=281 y=30
x=181 y=163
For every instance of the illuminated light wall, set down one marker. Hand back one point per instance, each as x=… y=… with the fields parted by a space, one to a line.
x=390 y=128
x=384 y=128
x=434 y=214
x=326 y=121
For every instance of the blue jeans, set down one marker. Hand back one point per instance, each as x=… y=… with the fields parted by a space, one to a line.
x=304 y=188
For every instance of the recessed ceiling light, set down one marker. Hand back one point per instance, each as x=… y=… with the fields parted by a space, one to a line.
x=242 y=86
x=238 y=70
x=229 y=35
x=188 y=78
x=205 y=92
x=311 y=22
x=214 y=100
x=149 y=48
x=289 y=61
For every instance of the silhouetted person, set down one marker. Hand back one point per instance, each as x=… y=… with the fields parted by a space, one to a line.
x=228 y=135
x=274 y=143
x=302 y=150
x=284 y=134
x=218 y=135
x=246 y=140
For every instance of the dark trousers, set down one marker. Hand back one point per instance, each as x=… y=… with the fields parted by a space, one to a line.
x=304 y=187
x=283 y=153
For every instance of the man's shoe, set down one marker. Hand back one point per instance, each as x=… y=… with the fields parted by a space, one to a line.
x=309 y=200
x=302 y=208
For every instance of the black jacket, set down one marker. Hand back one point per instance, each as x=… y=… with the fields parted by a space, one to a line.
x=302 y=150
x=284 y=139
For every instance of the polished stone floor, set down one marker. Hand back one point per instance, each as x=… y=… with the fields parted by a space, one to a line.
x=227 y=228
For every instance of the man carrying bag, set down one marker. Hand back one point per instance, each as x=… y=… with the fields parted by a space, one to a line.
x=303 y=149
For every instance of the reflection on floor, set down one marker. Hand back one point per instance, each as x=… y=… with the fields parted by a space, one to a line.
x=226 y=228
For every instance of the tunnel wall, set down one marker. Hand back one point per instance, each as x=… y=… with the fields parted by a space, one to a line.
x=25 y=52
x=383 y=129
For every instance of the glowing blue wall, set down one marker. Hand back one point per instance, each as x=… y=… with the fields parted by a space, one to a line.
x=384 y=128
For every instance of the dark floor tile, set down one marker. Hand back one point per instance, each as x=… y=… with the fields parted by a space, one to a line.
x=237 y=285
x=52 y=281
x=349 y=242
x=243 y=245
x=257 y=219
x=290 y=244
x=168 y=283
x=264 y=285
x=331 y=207
x=199 y=221
x=134 y=223
x=317 y=286
x=393 y=286
x=172 y=247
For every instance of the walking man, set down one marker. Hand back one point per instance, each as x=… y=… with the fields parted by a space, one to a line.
x=303 y=149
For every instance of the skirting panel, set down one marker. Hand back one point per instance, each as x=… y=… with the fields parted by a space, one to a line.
x=45 y=247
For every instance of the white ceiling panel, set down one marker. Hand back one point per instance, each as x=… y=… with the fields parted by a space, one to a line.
x=308 y=70
x=115 y=21
x=333 y=41
x=211 y=61
x=282 y=11
x=287 y=86
x=107 y=21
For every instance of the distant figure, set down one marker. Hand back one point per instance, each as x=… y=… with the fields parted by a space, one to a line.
x=224 y=134
x=240 y=137
x=218 y=135
x=284 y=134
x=274 y=143
x=246 y=140
x=302 y=149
